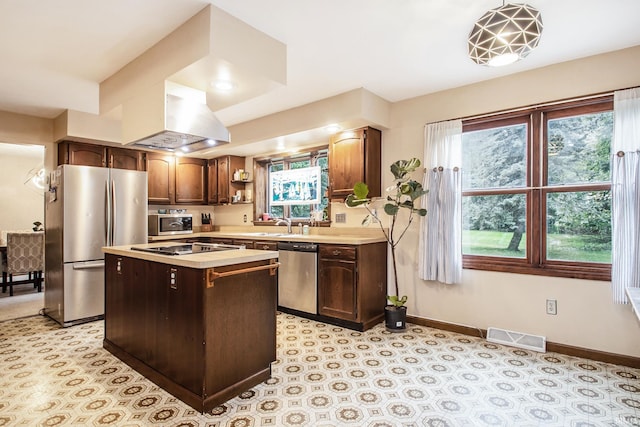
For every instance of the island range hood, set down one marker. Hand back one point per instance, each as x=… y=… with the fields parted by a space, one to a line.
x=169 y=122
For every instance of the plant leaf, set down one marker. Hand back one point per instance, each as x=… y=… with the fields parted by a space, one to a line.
x=361 y=190
x=391 y=209
x=352 y=201
x=398 y=302
x=421 y=212
x=400 y=168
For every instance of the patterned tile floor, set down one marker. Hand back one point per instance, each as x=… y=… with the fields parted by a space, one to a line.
x=324 y=376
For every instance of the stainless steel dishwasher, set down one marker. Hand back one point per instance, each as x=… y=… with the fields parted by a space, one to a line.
x=298 y=276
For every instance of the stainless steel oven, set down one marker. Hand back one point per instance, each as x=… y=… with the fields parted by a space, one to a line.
x=168 y=224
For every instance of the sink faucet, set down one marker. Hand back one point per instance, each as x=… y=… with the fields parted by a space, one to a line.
x=285 y=221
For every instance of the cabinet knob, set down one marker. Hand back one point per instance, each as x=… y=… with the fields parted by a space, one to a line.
x=265 y=247
x=336 y=252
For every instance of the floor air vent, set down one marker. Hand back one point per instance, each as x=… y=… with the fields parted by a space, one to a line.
x=516 y=339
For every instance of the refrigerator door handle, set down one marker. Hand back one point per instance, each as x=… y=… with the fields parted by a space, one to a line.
x=107 y=219
x=88 y=264
x=113 y=212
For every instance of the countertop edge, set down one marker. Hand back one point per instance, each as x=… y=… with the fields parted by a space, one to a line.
x=310 y=238
x=199 y=260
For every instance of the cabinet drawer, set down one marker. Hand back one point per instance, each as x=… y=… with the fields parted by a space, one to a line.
x=338 y=252
x=247 y=243
x=266 y=246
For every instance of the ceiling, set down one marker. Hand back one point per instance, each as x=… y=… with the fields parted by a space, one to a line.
x=55 y=54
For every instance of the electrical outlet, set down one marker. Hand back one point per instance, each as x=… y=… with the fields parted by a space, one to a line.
x=245 y=218
x=341 y=217
x=552 y=306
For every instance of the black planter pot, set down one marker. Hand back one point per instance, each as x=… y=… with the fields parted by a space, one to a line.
x=395 y=318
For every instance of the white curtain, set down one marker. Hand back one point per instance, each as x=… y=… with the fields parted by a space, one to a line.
x=440 y=247
x=625 y=189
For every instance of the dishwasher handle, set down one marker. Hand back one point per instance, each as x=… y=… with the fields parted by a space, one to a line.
x=298 y=246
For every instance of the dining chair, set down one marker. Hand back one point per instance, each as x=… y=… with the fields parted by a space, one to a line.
x=25 y=256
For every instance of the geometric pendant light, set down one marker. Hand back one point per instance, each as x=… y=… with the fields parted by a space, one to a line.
x=505 y=35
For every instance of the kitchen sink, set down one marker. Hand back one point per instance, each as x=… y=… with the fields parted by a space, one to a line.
x=267 y=234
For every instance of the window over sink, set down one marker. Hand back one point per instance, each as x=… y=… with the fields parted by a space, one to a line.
x=293 y=186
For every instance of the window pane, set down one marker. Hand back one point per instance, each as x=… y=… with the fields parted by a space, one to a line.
x=494 y=225
x=494 y=158
x=579 y=148
x=579 y=226
x=299 y=164
x=276 y=211
x=300 y=211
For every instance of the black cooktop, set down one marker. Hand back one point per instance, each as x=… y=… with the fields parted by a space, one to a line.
x=189 y=248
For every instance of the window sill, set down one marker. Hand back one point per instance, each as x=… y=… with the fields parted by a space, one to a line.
x=599 y=272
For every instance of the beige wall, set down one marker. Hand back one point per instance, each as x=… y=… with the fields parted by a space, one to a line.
x=586 y=315
x=22 y=203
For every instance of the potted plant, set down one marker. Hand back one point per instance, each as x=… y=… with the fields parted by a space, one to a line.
x=401 y=196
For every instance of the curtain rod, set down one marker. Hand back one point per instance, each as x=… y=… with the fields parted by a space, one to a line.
x=529 y=107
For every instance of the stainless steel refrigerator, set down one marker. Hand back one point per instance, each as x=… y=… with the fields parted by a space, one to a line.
x=87 y=208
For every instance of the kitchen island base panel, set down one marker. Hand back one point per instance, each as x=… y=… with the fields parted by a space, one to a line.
x=194 y=400
x=204 y=335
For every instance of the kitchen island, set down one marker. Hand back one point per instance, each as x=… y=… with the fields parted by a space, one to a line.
x=202 y=326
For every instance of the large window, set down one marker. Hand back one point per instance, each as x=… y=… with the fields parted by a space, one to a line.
x=536 y=191
x=299 y=211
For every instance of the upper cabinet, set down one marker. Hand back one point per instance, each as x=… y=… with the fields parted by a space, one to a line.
x=212 y=182
x=124 y=158
x=75 y=153
x=161 y=176
x=191 y=181
x=221 y=187
x=355 y=156
x=78 y=153
x=176 y=180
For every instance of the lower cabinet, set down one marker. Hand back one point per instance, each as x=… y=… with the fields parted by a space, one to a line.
x=187 y=329
x=352 y=283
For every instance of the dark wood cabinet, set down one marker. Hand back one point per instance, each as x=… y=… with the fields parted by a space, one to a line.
x=270 y=245
x=352 y=283
x=188 y=330
x=212 y=182
x=78 y=153
x=161 y=176
x=221 y=187
x=355 y=156
x=224 y=177
x=124 y=158
x=174 y=180
x=191 y=181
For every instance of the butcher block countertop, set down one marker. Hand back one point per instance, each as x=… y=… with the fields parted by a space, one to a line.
x=201 y=260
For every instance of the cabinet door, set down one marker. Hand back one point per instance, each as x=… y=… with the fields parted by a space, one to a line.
x=180 y=344
x=223 y=180
x=346 y=166
x=161 y=177
x=123 y=158
x=83 y=154
x=212 y=184
x=191 y=181
x=355 y=156
x=125 y=289
x=337 y=282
